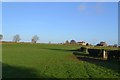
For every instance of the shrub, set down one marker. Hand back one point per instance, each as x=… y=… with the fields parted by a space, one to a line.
x=77 y=53
x=83 y=49
x=72 y=42
x=114 y=54
x=95 y=52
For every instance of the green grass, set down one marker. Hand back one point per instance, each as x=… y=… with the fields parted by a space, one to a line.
x=52 y=61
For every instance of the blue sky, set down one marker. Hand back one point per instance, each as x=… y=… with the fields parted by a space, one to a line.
x=56 y=22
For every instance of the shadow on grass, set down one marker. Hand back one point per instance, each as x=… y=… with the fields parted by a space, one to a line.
x=110 y=64
x=60 y=49
x=9 y=71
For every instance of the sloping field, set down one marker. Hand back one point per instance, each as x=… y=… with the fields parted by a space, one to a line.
x=52 y=61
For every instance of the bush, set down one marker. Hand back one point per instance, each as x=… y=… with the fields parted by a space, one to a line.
x=114 y=54
x=95 y=52
x=77 y=53
x=83 y=49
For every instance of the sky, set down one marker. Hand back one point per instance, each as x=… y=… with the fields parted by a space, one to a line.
x=57 y=22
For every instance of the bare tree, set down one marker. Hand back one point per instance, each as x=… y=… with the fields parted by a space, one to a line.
x=1 y=37
x=49 y=42
x=35 y=38
x=16 y=38
x=67 y=42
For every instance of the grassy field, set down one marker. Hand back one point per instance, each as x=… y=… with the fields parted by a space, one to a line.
x=53 y=61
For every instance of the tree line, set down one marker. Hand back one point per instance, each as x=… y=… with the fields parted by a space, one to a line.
x=16 y=38
x=35 y=38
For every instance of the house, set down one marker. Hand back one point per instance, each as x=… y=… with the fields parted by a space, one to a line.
x=82 y=43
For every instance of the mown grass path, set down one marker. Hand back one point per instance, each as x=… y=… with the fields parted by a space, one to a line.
x=52 y=61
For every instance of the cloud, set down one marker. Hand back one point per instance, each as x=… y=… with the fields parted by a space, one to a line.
x=97 y=7
x=82 y=7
